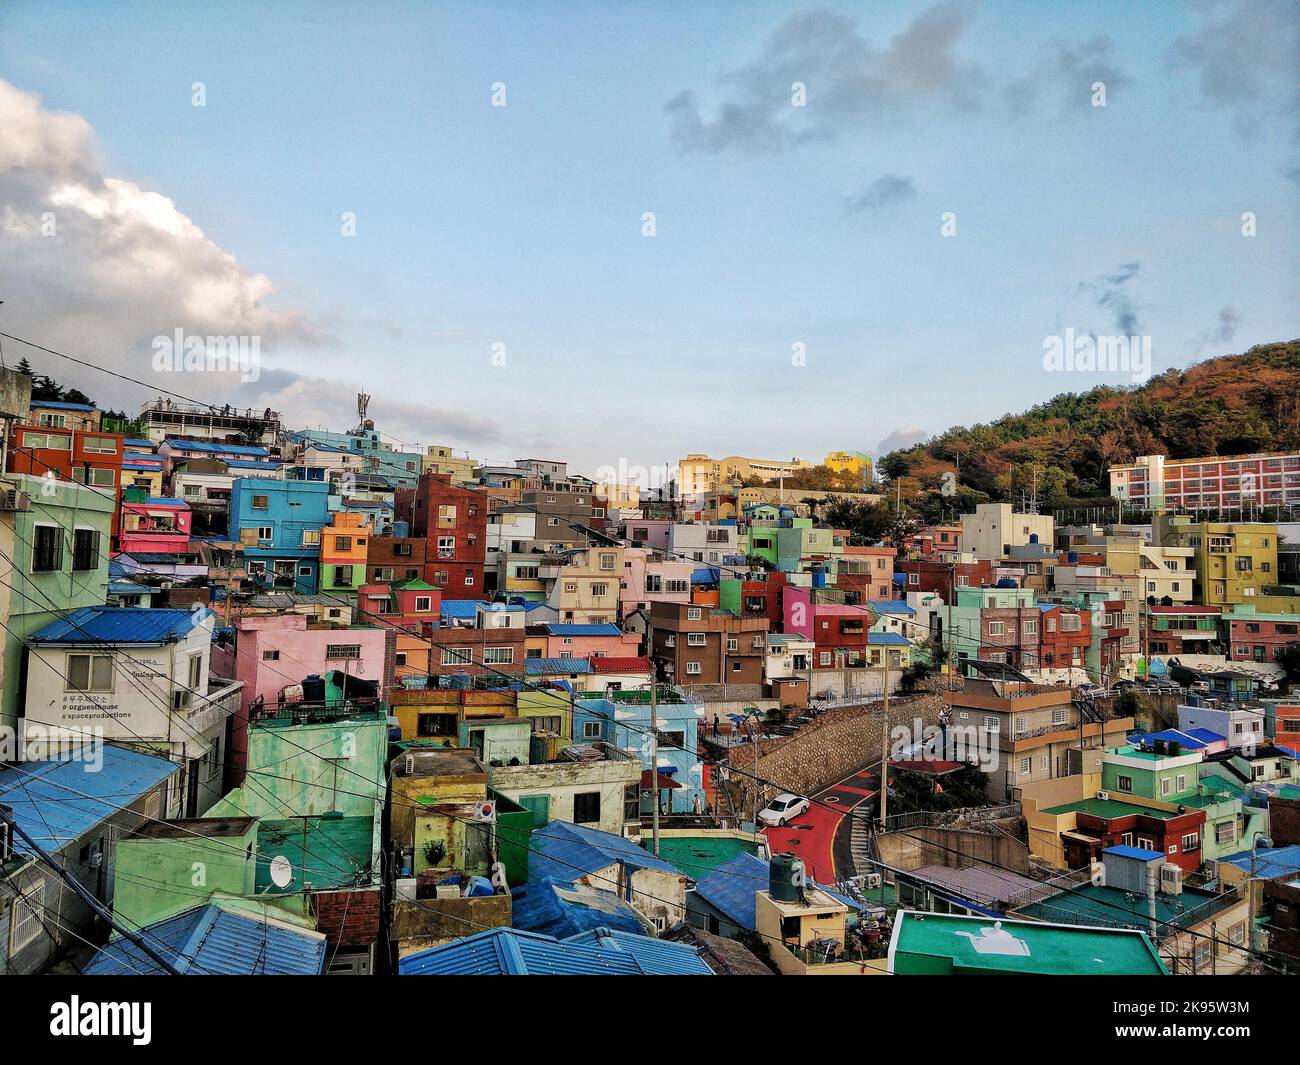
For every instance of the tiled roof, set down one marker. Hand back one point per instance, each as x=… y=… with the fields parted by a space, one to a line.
x=214 y=941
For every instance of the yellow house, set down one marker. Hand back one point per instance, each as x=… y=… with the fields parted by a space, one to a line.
x=439 y=458
x=1234 y=561
x=585 y=588
x=805 y=935
x=854 y=463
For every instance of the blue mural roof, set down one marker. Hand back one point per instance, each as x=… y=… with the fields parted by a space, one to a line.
x=509 y=952
x=891 y=606
x=58 y=801
x=730 y=889
x=212 y=941
x=1134 y=852
x=117 y=625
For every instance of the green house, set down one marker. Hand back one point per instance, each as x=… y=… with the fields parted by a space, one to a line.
x=60 y=563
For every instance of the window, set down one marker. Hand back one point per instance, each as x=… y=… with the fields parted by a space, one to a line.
x=1191 y=842
x=696 y=639
x=89 y=673
x=266 y=532
x=456 y=656
x=599 y=590
x=1165 y=786
x=1182 y=782
x=693 y=668
x=591 y=730
x=96 y=477
x=47 y=549
x=56 y=421
x=446 y=547
x=1058 y=716
x=195 y=670
x=261 y=502
x=423 y=603
x=498 y=656
x=1026 y=766
x=996 y=628
x=85 y=550
x=310 y=537
x=342 y=543
x=991 y=723
x=607 y=562
x=586 y=808
x=27 y=915
x=1124 y=783
x=343 y=650
x=693 y=613
x=270 y=656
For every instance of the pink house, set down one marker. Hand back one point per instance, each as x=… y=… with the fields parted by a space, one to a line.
x=274 y=652
x=160 y=523
x=591 y=641
x=650 y=576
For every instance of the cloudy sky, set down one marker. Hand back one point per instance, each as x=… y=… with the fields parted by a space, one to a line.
x=750 y=228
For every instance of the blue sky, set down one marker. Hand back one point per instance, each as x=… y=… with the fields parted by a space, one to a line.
x=774 y=226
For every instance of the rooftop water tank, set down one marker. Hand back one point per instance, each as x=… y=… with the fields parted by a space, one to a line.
x=1033 y=538
x=1073 y=556
x=784 y=877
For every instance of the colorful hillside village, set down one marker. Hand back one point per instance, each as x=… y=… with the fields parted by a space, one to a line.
x=296 y=701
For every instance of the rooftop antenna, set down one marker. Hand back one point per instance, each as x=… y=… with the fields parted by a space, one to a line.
x=363 y=401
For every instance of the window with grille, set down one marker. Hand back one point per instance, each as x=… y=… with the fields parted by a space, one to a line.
x=85 y=550
x=343 y=650
x=47 y=549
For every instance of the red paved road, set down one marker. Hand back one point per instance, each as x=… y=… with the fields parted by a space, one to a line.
x=811 y=835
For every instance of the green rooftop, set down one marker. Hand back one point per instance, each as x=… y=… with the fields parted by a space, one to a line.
x=947 y=944
x=1108 y=907
x=1109 y=808
x=697 y=855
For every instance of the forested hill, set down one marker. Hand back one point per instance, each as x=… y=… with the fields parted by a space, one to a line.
x=1225 y=406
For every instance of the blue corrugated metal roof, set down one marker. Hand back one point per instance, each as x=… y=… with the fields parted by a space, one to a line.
x=509 y=952
x=58 y=801
x=706 y=575
x=604 y=629
x=53 y=404
x=891 y=606
x=730 y=888
x=213 y=941
x=252 y=464
x=560 y=910
x=137 y=441
x=165 y=501
x=566 y=852
x=657 y=957
x=461 y=608
x=888 y=639
x=1270 y=861
x=1134 y=852
x=204 y=445
x=117 y=625
x=537 y=666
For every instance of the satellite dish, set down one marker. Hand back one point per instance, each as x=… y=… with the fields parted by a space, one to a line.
x=281 y=871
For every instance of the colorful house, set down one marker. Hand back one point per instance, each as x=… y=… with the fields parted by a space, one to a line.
x=279 y=524
x=159 y=524
x=343 y=554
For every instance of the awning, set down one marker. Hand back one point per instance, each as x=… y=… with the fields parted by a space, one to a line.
x=665 y=781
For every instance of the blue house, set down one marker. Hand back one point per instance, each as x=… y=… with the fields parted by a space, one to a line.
x=279 y=524
x=623 y=720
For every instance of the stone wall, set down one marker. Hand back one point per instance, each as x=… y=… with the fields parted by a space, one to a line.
x=828 y=749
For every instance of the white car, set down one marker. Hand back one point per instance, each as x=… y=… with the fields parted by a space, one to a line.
x=782 y=809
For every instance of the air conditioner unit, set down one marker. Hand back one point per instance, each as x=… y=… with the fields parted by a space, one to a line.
x=871 y=881
x=409 y=768
x=1171 y=879
x=1104 y=796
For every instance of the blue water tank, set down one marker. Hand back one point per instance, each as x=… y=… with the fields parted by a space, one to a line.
x=401 y=528
x=1073 y=556
x=1033 y=538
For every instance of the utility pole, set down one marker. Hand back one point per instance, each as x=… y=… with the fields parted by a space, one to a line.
x=952 y=592
x=884 y=748
x=654 y=738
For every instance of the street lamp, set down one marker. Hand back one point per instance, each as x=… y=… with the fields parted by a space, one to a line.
x=1259 y=838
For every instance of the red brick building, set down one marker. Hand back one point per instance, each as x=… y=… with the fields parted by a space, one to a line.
x=1063 y=636
x=938 y=578
x=1258 y=639
x=1118 y=824
x=697 y=645
x=454 y=522
x=88 y=457
x=395 y=558
x=1180 y=630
